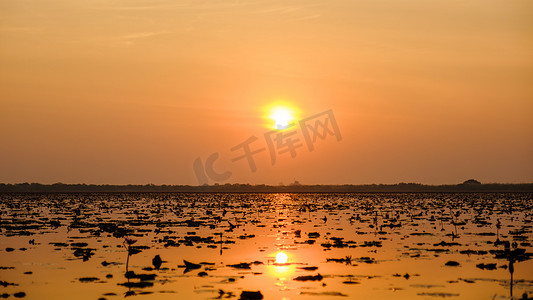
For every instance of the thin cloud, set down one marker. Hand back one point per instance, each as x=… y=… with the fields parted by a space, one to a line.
x=132 y=38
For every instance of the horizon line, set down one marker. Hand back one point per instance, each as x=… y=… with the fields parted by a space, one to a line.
x=270 y=185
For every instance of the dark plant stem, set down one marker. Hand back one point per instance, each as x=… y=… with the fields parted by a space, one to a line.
x=128 y=261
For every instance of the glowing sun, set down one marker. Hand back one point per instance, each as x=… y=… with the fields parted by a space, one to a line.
x=282 y=115
x=281 y=258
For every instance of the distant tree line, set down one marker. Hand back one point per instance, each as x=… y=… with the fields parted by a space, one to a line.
x=292 y=188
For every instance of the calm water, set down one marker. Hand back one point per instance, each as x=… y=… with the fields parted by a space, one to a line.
x=338 y=246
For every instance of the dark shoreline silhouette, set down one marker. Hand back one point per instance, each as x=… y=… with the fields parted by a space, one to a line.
x=261 y=188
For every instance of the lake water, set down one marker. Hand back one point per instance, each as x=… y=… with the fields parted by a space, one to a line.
x=337 y=246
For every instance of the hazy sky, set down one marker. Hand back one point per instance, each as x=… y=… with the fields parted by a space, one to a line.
x=134 y=91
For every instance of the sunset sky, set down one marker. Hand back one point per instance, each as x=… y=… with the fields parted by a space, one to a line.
x=133 y=92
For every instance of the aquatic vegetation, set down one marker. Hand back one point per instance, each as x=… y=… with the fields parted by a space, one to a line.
x=157 y=261
x=191 y=266
x=250 y=295
x=317 y=277
x=218 y=246
x=128 y=245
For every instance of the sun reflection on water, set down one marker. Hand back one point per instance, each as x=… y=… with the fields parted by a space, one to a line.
x=283 y=275
x=281 y=258
x=281 y=269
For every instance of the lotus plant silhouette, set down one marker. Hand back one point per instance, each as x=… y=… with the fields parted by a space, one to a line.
x=127 y=244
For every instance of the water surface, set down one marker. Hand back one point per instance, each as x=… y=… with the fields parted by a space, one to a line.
x=380 y=246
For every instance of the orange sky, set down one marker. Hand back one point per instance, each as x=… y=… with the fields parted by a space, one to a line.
x=134 y=91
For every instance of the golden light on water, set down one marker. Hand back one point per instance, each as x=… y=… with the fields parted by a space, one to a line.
x=282 y=272
x=281 y=268
x=281 y=258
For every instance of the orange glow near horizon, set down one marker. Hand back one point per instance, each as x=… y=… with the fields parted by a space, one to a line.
x=432 y=92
